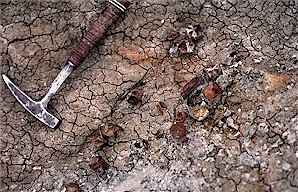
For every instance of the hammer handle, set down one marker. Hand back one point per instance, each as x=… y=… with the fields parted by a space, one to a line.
x=97 y=31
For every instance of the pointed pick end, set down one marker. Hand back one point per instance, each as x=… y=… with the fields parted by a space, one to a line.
x=35 y=108
x=5 y=78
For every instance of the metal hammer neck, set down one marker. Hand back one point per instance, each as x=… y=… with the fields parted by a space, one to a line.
x=65 y=72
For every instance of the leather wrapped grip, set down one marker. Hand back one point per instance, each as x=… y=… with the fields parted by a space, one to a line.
x=97 y=31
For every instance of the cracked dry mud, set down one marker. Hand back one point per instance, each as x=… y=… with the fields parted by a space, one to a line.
x=248 y=143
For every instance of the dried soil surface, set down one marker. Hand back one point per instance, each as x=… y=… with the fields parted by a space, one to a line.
x=247 y=143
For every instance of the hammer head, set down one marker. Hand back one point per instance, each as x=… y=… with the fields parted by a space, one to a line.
x=36 y=108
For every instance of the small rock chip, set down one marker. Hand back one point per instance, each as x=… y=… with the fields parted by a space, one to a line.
x=180 y=116
x=163 y=105
x=199 y=112
x=190 y=86
x=159 y=108
x=194 y=32
x=146 y=144
x=138 y=145
x=258 y=60
x=212 y=92
x=238 y=58
x=178 y=131
x=72 y=187
x=185 y=46
x=233 y=54
x=135 y=97
x=173 y=36
x=110 y=129
x=213 y=71
x=99 y=165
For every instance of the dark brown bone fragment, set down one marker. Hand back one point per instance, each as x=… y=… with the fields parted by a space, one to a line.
x=72 y=187
x=110 y=129
x=99 y=165
x=190 y=86
x=97 y=138
x=135 y=97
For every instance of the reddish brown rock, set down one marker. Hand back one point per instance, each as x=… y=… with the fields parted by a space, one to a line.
x=212 y=92
x=146 y=144
x=178 y=131
x=238 y=58
x=174 y=36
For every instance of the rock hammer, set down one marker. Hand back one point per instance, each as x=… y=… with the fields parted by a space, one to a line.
x=39 y=108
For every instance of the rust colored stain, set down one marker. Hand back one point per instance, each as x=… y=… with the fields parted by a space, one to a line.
x=132 y=53
x=276 y=82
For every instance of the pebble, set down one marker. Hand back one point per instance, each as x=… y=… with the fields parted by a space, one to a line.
x=263 y=165
x=258 y=60
x=263 y=127
x=221 y=153
x=286 y=133
x=227 y=113
x=237 y=134
x=36 y=168
x=286 y=166
x=289 y=86
x=231 y=123
x=199 y=112
x=291 y=138
x=220 y=123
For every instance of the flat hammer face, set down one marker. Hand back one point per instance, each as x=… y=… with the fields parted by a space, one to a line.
x=37 y=109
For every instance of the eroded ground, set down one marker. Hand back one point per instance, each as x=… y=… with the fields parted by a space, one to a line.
x=247 y=143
